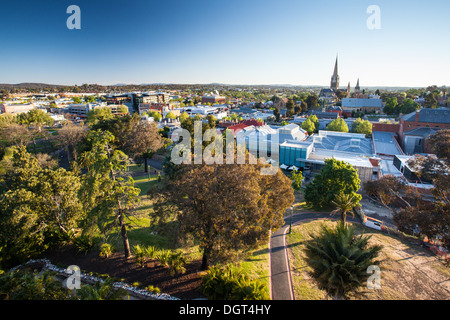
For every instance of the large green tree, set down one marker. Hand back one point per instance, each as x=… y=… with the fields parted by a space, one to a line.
x=338 y=125
x=335 y=177
x=227 y=208
x=362 y=126
x=35 y=203
x=108 y=194
x=309 y=126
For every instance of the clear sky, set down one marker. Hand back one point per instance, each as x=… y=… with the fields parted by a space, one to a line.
x=225 y=41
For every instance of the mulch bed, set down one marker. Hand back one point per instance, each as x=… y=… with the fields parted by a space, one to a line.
x=183 y=286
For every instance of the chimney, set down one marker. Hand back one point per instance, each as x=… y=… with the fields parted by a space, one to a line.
x=417 y=116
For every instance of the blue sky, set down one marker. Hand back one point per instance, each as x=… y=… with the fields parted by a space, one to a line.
x=234 y=41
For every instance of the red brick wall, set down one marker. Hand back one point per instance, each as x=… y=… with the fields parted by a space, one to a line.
x=386 y=127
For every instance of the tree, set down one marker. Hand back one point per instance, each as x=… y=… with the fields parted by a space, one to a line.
x=408 y=106
x=212 y=120
x=336 y=176
x=340 y=259
x=430 y=100
x=315 y=120
x=290 y=107
x=297 y=179
x=108 y=195
x=171 y=115
x=309 y=126
x=70 y=136
x=36 y=203
x=338 y=125
x=312 y=101
x=344 y=203
x=89 y=99
x=362 y=126
x=98 y=114
x=276 y=113
x=304 y=106
x=143 y=141
x=15 y=134
x=227 y=208
x=156 y=116
x=183 y=116
x=391 y=106
x=77 y=100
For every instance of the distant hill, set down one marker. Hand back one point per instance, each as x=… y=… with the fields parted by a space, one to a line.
x=30 y=85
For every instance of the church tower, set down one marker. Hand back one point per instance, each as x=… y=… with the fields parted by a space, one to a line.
x=335 y=78
x=357 y=88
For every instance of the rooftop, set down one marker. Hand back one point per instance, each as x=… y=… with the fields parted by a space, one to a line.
x=385 y=143
x=441 y=115
x=342 y=142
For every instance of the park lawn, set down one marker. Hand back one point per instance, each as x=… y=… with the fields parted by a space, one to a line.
x=300 y=205
x=408 y=272
x=256 y=265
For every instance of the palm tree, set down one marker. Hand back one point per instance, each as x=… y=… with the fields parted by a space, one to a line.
x=345 y=202
x=340 y=259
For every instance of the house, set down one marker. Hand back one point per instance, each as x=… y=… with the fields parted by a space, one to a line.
x=361 y=104
x=414 y=128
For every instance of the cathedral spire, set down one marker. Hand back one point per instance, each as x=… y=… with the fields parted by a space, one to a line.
x=335 y=74
x=335 y=78
x=357 y=88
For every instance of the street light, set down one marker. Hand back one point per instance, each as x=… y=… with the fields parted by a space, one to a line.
x=290 y=219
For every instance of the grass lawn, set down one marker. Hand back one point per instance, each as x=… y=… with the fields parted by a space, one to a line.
x=257 y=267
x=408 y=272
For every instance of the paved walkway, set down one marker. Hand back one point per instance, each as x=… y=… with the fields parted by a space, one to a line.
x=281 y=281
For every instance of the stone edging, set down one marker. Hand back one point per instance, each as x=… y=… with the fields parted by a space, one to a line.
x=133 y=291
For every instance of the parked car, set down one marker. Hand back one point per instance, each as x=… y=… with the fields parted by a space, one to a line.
x=373 y=223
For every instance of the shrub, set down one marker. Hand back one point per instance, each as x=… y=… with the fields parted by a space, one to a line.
x=340 y=259
x=101 y=291
x=163 y=257
x=106 y=249
x=26 y=285
x=231 y=283
x=84 y=243
x=139 y=254
x=151 y=252
x=153 y=289
x=176 y=263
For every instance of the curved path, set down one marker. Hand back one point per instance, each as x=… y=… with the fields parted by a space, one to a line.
x=280 y=272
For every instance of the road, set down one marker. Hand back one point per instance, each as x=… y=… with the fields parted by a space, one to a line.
x=281 y=281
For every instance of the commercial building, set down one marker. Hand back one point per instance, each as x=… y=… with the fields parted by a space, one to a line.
x=81 y=110
x=213 y=99
x=15 y=108
x=219 y=111
x=266 y=140
x=352 y=148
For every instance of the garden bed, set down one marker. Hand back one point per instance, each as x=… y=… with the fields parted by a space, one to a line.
x=183 y=286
